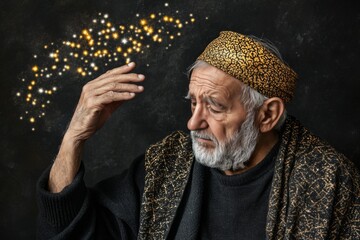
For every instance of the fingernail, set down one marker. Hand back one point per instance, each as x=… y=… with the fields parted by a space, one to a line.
x=131 y=64
x=140 y=87
x=140 y=76
x=132 y=94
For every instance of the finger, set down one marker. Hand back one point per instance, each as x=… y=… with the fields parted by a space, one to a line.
x=111 y=97
x=92 y=87
x=120 y=70
x=118 y=87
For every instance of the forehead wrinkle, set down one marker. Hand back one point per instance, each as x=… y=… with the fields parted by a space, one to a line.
x=211 y=87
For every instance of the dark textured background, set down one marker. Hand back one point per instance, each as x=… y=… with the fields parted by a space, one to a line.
x=318 y=38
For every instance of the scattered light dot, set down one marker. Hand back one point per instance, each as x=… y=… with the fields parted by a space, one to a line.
x=35 y=68
x=92 y=48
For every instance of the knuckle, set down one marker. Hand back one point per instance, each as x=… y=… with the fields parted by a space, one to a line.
x=111 y=94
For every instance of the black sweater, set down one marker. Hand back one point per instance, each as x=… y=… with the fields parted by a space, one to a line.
x=111 y=210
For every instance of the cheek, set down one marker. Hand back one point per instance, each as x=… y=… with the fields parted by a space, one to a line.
x=218 y=129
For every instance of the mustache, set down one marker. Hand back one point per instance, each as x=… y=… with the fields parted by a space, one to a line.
x=204 y=135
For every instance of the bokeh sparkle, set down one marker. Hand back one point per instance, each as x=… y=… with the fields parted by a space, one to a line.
x=85 y=53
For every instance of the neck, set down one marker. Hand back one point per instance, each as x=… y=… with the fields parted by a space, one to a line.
x=265 y=143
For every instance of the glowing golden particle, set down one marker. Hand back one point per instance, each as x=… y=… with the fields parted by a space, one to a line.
x=105 y=51
x=141 y=37
x=53 y=67
x=179 y=34
x=65 y=60
x=85 y=53
x=150 y=30
x=91 y=42
x=88 y=38
x=134 y=42
x=49 y=92
x=155 y=37
x=107 y=30
x=143 y=22
x=33 y=82
x=166 y=18
x=67 y=67
x=128 y=60
x=139 y=44
x=131 y=26
x=30 y=87
x=79 y=70
x=96 y=68
x=28 y=99
x=35 y=68
x=152 y=16
x=119 y=49
x=72 y=45
x=171 y=37
x=107 y=37
x=138 y=49
x=177 y=21
x=159 y=31
x=76 y=55
x=36 y=75
x=33 y=103
x=85 y=32
x=179 y=25
x=43 y=105
x=78 y=45
x=129 y=50
x=83 y=74
x=160 y=40
x=125 y=54
x=57 y=60
x=32 y=120
x=115 y=35
x=54 y=89
x=68 y=43
x=108 y=24
x=171 y=19
x=18 y=94
x=192 y=19
x=46 y=46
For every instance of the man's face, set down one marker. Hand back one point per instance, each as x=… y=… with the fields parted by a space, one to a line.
x=217 y=118
x=215 y=104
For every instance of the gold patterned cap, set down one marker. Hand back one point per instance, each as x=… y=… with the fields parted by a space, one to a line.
x=250 y=62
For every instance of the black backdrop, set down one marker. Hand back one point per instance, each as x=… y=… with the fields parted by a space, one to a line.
x=318 y=38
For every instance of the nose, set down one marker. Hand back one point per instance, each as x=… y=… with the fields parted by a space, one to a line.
x=198 y=119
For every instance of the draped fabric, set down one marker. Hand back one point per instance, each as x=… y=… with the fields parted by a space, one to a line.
x=315 y=190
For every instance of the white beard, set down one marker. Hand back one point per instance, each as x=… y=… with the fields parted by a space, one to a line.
x=233 y=152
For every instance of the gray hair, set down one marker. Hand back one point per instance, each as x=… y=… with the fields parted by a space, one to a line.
x=251 y=98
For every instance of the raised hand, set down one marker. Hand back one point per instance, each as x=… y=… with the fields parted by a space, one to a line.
x=98 y=100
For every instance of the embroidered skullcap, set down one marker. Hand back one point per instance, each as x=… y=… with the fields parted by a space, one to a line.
x=250 y=62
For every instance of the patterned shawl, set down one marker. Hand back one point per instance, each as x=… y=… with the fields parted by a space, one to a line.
x=315 y=191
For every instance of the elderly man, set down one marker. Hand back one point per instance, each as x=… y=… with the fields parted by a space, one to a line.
x=247 y=171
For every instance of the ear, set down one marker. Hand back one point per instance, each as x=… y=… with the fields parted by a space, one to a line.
x=269 y=114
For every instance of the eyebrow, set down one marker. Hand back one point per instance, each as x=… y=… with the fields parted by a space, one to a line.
x=207 y=99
